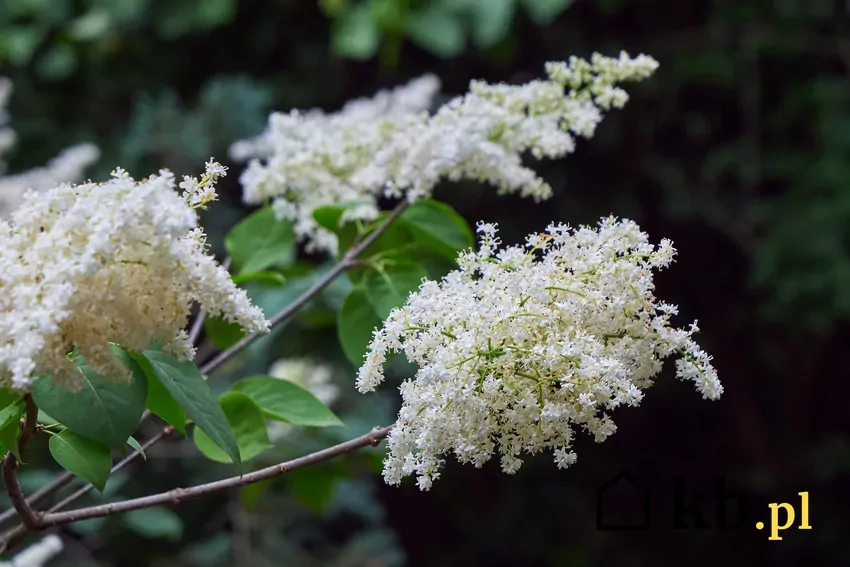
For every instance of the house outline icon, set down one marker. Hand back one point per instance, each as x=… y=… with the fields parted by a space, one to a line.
x=623 y=478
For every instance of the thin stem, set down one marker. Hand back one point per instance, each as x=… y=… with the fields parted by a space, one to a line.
x=36 y=497
x=14 y=535
x=286 y=313
x=177 y=495
x=120 y=465
x=10 y=464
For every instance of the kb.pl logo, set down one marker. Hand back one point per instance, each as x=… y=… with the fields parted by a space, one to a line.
x=625 y=503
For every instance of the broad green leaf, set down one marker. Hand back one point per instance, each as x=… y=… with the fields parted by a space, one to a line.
x=185 y=383
x=330 y=215
x=158 y=400
x=492 y=21
x=222 y=334
x=389 y=288
x=438 y=226
x=248 y=423
x=10 y=427
x=286 y=401
x=131 y=441
x=45 y=418
x=356 y=322
x=261 y=241
x=438 y=32
x=103 y=409
x=435 y=264
x=156 y=522
x=82 y=456
x=268 y=278
x=544 y=12
x=354 y=33
x=7 y=397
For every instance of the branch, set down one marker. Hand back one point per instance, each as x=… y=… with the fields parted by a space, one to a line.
x=286 y=313
x=10 y=464
x=11 y=537
x=177 y=495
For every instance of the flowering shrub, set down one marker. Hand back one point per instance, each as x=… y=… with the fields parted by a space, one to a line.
x=515 y=346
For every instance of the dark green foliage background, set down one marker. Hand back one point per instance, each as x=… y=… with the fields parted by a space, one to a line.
x=738 y=149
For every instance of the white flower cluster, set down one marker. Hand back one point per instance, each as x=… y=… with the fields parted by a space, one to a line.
x=364 y=152
x=67 y=167
x=38 y=554
x=310 y=375
x=120 y=261
x=310 y=158
x=523 y=343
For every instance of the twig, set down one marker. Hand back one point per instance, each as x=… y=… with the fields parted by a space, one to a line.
x=36 y=497
x=10 y=465
x=11 y=537
x=120 y=465
x=345 y=262
x=177 y=495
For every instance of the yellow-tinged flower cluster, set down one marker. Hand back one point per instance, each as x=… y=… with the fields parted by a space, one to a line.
x=121 y=261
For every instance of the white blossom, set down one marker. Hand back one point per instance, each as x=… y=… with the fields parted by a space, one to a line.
x=121 y=261
x=310 y=375
x=522 y=344
x=392 y=147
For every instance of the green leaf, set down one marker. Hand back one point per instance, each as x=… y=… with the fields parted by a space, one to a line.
x=10 y=427
x=260 y=241
x=248 y=423
x=155 y=523
x=222 y=333
x=492 y=21
x=438 y=226
x=355 y=323
x=104 y=409
x=389 y=288
x=283 y=400
x=158 y=400
x=185 y=383
x=83 y=457
x=329 y=216
x=7 y=397
x=268 y=278
x=131 y=441
x=544 y=12
x=438 y=32
x=355 y=34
